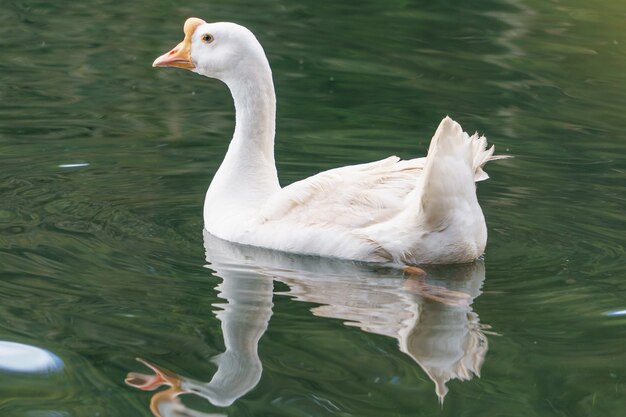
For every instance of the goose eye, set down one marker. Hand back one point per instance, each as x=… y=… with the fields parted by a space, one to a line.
x=206 y=38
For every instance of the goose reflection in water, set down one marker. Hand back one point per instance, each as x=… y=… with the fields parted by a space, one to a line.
x=428 y=312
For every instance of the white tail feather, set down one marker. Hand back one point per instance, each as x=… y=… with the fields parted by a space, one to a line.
x=450 y=134
x=482 y=155
x=442 y=221
x=454 y=162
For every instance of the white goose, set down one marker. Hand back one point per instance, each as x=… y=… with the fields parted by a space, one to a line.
x=420 y=211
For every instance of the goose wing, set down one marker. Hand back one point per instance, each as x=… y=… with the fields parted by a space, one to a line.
x=351 y=196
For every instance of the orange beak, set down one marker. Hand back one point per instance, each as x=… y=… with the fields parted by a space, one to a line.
x=180 y=56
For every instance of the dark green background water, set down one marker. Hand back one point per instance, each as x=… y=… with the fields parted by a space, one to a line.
x=105 y=262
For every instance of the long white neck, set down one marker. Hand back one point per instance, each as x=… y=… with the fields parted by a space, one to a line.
x=255 y=107
x=248 y=175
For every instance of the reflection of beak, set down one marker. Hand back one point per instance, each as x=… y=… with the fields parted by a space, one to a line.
x=162 y=376
x=180 y=56
x=145 y=382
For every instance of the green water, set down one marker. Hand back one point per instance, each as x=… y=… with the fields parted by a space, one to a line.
x=104 y=162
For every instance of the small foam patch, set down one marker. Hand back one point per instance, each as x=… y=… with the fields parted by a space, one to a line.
x=18 y=357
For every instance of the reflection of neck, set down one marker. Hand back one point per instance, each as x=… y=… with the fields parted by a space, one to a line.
x=244 y=317
x=248 y=170
x=244 y=320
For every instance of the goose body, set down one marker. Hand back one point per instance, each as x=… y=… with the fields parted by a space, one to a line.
x=418 y=211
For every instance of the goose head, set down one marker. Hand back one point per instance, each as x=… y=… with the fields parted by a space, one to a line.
x=219 y=50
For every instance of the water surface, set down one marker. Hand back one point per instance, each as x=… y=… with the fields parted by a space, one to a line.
x=104 y=163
